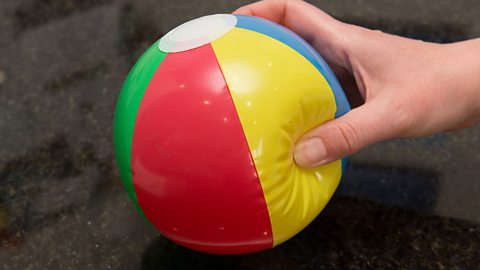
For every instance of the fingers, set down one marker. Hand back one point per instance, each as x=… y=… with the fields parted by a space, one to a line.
x=303 y=18
x=343 y=136
x=273 y=10
x=270 y=10
x=334 y=40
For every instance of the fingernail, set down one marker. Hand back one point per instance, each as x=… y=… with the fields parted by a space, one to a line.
x=310 y=152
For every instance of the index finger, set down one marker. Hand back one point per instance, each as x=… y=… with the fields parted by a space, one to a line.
x=301 y=17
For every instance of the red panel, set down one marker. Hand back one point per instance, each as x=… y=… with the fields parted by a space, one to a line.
x=192 y=170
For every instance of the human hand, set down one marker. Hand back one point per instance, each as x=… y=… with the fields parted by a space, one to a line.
x=410 y=88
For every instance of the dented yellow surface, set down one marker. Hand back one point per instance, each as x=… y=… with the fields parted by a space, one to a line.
x=279 y=95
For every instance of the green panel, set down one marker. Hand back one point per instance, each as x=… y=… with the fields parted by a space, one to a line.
x=126 y=112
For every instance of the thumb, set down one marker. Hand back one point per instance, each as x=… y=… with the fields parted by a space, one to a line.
x=343 y=136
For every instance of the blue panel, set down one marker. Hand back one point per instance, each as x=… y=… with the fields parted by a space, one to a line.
x=344 y=164
x=295 y=42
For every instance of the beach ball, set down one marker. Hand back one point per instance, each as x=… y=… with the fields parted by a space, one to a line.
x=204 y=130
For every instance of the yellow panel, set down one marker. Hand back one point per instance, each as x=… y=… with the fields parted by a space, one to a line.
x=279 y=95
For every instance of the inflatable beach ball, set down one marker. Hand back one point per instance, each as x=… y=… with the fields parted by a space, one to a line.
x=205 y=126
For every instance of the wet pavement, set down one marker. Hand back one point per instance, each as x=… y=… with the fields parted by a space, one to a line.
x=409 y=204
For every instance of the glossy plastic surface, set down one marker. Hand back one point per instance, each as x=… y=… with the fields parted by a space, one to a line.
x=126 y=113
x=204 y=134
x=279 y=95
x=292 y=40
x=197 y=32
x=192 y=169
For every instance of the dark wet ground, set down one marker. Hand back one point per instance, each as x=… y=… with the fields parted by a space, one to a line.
x=409 y=204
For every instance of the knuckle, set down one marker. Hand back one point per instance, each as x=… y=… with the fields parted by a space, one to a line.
x=404 y=116
x=349 y=136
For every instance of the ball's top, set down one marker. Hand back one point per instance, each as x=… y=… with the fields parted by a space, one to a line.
x=196 y=33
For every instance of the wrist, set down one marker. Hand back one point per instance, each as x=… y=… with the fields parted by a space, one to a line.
x=465 y=59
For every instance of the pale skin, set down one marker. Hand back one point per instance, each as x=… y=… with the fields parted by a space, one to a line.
x=410 y=88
